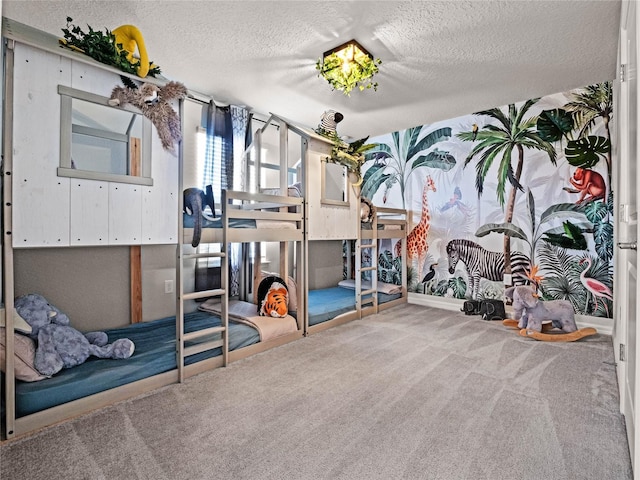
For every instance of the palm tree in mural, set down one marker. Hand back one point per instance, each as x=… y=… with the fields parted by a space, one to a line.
x=393 y=163
x=589 y=104
x=512 y=133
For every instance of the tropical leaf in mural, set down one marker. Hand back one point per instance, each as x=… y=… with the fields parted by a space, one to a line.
x=389 y=268
x=596 y=211
x=587 y=151
x=436 y=159
x=561 y=276
x=373 y=178
x=393 y=163
x=455 y=286
x=603 y=236
x=553 y=125
x=496 y=143
x=385 y=260
x=599 y=214
x=560 y=210
x=589 y=104
x=397 y=263
x=503 y=228
x=572 y=237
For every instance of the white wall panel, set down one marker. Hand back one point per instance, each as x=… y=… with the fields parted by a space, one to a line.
x=93 y=79
x=40 y=198
x=160 y=201
x=60 y=211
x=125 y=214
x=89 y=212
x=328 y=222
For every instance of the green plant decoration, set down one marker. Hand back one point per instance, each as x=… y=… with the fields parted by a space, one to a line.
x=101 y=47
x=358 y=72
x=350 y=155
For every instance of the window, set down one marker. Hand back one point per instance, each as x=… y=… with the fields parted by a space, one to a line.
x=101 y=142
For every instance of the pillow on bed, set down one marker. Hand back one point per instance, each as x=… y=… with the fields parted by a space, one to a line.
x=25 y=352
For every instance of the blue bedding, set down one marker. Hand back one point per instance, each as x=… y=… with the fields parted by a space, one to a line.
x=155 y=353
x=327 y=303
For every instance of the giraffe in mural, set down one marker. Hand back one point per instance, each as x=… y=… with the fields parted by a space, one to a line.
x=417 y=246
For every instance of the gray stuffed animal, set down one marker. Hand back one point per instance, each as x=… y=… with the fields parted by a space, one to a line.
x=60 y=345
x=531 y=311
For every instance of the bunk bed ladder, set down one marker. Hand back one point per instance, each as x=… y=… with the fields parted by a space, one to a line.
x=205 y=342
x=372 y=292
x=191 y=343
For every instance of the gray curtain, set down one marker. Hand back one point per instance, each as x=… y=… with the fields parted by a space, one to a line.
x=226 y=137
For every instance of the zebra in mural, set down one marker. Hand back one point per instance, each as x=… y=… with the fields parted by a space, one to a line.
x=482 y=263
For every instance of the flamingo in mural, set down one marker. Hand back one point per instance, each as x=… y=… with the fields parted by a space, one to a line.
x=597 y=288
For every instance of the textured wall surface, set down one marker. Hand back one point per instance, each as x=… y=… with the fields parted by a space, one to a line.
x=440 y=59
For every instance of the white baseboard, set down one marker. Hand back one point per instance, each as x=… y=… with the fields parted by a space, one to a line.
x=602 y=325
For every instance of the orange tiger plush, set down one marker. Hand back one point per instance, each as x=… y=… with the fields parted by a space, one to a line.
x=273 y=297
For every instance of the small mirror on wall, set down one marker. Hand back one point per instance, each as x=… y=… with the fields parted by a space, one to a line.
x=334 y=184
x=101 y=142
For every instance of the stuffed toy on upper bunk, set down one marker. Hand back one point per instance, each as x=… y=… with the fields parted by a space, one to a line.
x=58 y=344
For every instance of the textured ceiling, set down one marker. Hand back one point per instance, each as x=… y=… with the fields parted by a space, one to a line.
x=441 y=59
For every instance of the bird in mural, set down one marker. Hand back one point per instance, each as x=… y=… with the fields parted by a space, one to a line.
x=455 y=201
x=474 y=130
x=596 y=287
x=430 y=274
x=428 y=277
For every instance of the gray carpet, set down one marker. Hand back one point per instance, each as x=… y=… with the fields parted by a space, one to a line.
x=413 y=393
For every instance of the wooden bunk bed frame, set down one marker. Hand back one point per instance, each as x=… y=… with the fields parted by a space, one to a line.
x=236 y=206
x=388 y=223
x=251 y=208
x=271 y=211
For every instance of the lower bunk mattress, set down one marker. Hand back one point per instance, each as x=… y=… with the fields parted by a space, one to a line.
x=155 y=353
x=325 y=304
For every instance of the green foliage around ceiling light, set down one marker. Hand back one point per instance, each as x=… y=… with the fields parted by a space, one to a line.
x=360 y=73
x=101 y=47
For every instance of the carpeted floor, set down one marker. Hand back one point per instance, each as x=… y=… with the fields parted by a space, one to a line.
x=412 y=393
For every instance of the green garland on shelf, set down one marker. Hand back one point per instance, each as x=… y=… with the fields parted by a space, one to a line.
x=101 y=47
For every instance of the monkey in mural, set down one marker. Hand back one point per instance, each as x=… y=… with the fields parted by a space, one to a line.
x=589 y=184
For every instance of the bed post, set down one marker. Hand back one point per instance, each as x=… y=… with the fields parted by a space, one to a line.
x=7 y=250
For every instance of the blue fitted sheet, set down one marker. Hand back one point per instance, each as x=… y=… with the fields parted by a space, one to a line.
x=155 y=353
x=327 y=303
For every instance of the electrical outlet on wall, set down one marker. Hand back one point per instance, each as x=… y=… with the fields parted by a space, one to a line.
x=168 y=286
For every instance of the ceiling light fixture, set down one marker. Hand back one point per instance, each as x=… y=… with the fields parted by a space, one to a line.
x=348 y=66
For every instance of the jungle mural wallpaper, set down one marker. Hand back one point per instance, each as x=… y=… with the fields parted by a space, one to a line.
x=518 y=194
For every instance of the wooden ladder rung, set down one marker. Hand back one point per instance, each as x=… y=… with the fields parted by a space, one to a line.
x=372 y=245
x=201 y=333
x=189 y=256
x=202 y=347
x=367 y=292
x=368 y=269
x=203 y=294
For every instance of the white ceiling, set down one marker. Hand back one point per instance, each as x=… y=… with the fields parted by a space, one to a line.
x=441 y=59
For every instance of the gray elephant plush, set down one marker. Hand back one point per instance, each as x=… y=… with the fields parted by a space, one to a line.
x=60 y=345
x=530 y=311
x=195 y=201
